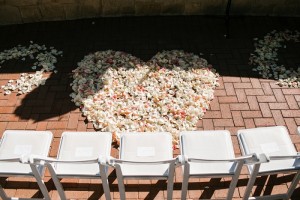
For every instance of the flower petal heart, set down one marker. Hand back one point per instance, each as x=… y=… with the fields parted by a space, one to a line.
x=118 y=92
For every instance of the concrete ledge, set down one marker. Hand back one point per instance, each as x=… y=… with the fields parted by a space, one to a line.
x=23 y=11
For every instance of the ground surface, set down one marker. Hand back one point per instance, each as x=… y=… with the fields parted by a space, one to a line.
x=242 y=101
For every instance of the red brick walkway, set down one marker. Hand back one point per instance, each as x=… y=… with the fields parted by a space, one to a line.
x=241 y=101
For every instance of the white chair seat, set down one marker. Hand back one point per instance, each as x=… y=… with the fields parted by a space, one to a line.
x=14 y=169
x=278 y=165
x=206 y=169
x=77 y=170
x=145 y=170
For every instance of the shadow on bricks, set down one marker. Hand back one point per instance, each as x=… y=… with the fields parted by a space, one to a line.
x=142 y=37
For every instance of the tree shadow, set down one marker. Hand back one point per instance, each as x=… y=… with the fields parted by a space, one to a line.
x=49 y=101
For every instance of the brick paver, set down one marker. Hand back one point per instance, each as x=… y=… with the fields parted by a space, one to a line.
x=242 y=101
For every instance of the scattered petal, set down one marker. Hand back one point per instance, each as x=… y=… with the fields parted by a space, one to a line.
x=44 y=60
x=265 y=58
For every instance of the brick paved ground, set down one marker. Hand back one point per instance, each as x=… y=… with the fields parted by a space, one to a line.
x=242 y=101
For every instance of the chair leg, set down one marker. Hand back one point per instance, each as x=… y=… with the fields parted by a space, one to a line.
x=293 y=185
x=251 y=181
x=185 y=180
x=234 y=180
x=40 y=182
x=171 y=181
x=120 y=182
x=105 y=182
x=3 y=194
x=57 y=183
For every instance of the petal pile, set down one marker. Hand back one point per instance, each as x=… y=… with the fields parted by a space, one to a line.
x=117 y=92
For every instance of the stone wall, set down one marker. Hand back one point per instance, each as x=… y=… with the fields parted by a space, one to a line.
x=24 y=11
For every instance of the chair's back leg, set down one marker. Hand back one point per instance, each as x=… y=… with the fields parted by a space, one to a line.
x=120 y=182
x=40 y=181
x=293 y=185
x=171 y=180
x=234 y=180
x=251 y=181
x=3 y=194
x=57 y=183
x=105 y=182
x=185 y=181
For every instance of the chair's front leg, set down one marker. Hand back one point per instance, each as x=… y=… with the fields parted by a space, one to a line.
x=251 y=181
x=235 y=179
x=293 y=185
x=3 y=194
x=185 y=181
x=40 y=181
x=105 y=182
x=120 y=182
x=171 y=180
x=57 y=183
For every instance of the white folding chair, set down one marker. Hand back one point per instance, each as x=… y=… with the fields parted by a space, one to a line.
x=80 y=155
x=283 y=157
x=145 y=156
x=15 y=148
x=210 y=154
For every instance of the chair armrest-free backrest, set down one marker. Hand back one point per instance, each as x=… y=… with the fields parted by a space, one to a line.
x=268 y=140
x=19 y=143
x=207 y=144
x=209 y=154
x=76 y=146
x=146 y=146
x=276 y=144
x=15 y=143
x=84 y=145
x=81 y=155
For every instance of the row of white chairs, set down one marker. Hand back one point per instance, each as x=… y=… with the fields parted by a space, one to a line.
x=265 y=151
